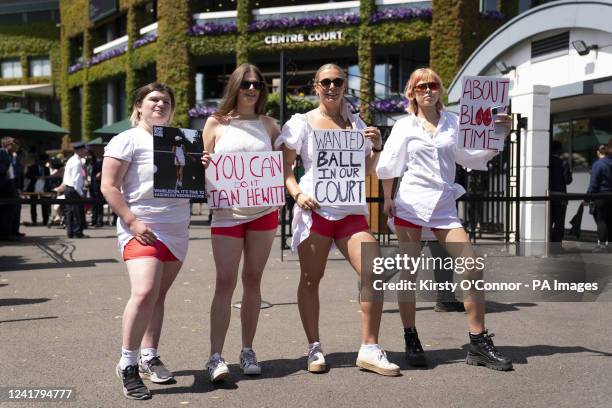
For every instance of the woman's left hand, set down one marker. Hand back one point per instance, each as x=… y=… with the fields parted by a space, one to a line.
x=205 y=159
x=505 y=120
x=374 y=135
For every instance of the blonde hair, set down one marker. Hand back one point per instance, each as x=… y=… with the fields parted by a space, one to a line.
x=345 y=111
x=422 y=74
x=230 y=95
x=141 y=93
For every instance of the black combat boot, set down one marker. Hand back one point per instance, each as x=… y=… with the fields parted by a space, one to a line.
x=414 y=351
x=482 y=351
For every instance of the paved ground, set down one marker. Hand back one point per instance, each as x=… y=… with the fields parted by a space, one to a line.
x=60 y=312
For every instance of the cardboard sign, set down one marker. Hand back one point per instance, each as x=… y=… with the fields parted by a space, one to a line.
x=242 y=180
x=476 y=122
x=339 y=167
x=178 y=171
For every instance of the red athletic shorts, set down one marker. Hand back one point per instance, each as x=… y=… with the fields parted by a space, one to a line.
x=341 y=228
x=135 y=250
x=400 y=222
x=264 y=223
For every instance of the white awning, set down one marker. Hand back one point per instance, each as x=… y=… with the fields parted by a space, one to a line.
x=41 y=89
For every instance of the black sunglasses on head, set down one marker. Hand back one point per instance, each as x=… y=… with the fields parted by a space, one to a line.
x=255 y=84
x=326 y=82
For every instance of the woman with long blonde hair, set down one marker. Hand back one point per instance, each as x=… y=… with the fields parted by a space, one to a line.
x=240 y=125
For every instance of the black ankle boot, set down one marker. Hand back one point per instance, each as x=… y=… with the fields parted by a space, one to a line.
x=482 y=351
x=414 y=351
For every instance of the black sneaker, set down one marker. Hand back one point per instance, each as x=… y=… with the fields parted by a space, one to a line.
x=133 y=387
x=482 y=351
x=414 y=351
x=453 y=306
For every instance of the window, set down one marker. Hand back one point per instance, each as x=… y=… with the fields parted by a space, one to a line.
x=40 y=67
x=488 y=5
x=580 y=139
x=11 y=69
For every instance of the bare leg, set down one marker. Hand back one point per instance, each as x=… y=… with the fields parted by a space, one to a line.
x=257 y=246
x=407 y=307
x=227 y=252
x=153 y=332
x=461 y=247
x=145 y=280
x=371 y=311
x=313 y=253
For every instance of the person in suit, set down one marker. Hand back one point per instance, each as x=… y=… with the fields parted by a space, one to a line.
x=37 y=174
x=560 y=177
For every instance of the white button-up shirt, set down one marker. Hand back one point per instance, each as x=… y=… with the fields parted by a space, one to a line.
x=73 y=174
x=426 y=164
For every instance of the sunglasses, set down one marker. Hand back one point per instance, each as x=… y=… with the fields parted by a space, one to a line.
x=432 y=86
x=256 y=85
x=326 y=82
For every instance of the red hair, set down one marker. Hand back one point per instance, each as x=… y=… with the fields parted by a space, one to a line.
x=422 y=74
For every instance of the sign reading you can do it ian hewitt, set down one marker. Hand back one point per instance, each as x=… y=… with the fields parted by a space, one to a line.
x=300 y=38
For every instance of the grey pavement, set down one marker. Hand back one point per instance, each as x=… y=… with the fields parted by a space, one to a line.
x=61 y=302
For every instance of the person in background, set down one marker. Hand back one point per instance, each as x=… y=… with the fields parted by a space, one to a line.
x=19 y=175
x=73 y=181
x=37 y=174
x=94 y=173
x=560 y=177
x=601 y=182
x=8 y=189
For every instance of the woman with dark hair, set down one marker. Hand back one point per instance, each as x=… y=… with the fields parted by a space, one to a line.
x=239 y=125
x=422 y=150
x=316 y=227
x=153 y=236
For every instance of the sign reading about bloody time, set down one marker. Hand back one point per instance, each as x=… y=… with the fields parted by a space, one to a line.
x=240 y=180
x=339 y=167
x=476 y=121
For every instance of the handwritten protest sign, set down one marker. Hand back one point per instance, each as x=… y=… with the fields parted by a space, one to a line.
x=476 y=122
x=339 y=167
x=241 y=180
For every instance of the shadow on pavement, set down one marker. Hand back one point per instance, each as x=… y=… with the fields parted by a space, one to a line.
x=22 y=301
x=27 y=320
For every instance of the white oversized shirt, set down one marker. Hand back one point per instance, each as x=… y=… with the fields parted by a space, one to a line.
x=426 y=163
x=73 y=174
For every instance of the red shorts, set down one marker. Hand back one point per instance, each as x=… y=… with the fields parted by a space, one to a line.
x=264 y=223
x=338 y=229
x=399 y=222
x=159 y=250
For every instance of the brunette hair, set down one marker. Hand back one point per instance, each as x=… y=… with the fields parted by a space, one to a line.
x=230 y=95
x=142 y=93
x=422 y=74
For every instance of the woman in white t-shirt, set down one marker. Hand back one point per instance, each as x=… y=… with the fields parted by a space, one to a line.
x=422 y=150
x=153 y=236
x=239 y=125
x=317 y=226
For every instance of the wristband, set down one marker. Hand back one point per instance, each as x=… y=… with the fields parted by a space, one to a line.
x=296 y=196
x=375 y=150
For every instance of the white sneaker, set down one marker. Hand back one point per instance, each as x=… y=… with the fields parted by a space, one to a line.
x=248 y=362
x=217 y=369
x=377 y=362
x=316 y=360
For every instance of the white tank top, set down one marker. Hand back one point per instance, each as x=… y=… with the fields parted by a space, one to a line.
x=242 y=136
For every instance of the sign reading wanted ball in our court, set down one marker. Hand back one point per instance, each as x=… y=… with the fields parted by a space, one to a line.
x=476 y=121
x=339 y=167
x=242 y=180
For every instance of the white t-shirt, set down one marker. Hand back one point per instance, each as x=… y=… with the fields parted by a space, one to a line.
x=297 y=134
x=167 y=217
x=73 y=174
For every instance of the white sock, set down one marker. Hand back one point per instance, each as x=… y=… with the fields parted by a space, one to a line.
x=244 y=349
x=370 y=348
x=146 y=354
x=128 y=358
x=313 y=345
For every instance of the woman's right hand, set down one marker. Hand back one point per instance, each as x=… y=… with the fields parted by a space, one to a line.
x=205 y=159
x=142 y=232
x=306 y=202
x=389 y=207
